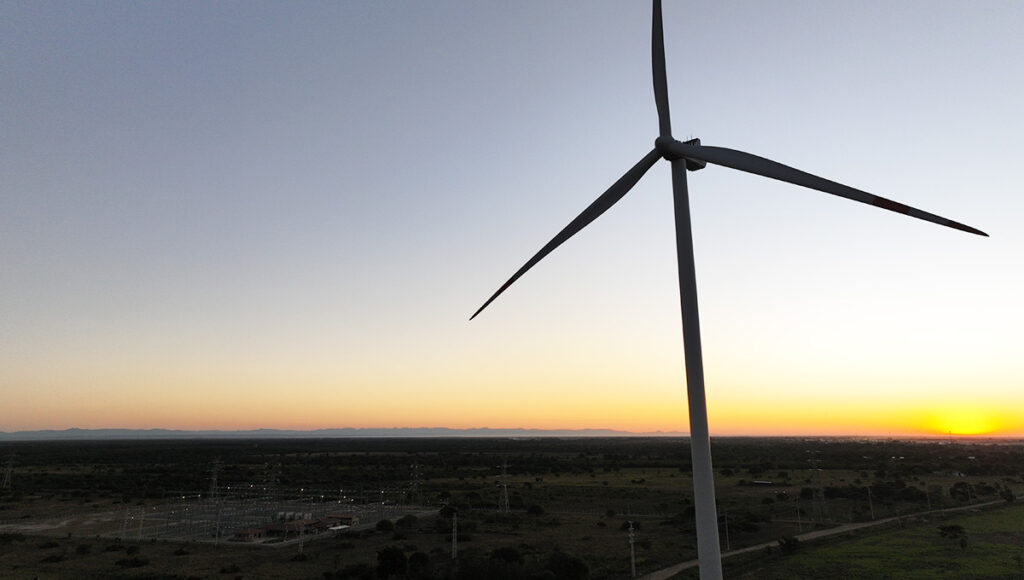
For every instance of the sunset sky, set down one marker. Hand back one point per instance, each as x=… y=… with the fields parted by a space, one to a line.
x=233 y=215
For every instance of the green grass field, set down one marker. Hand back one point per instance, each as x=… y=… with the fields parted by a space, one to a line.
x=994 y=550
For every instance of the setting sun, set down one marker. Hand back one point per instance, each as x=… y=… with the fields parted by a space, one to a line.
x=965 y=420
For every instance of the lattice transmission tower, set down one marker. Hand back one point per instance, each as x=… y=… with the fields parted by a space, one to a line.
x=214 y=472
x=503 y=484
x=8 y=472
x=414 y=484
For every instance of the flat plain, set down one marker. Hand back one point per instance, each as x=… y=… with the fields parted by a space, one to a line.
x=519 y=508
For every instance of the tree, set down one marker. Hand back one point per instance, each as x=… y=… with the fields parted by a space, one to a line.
x=407 y=521
x=566 y=567
x=419 y=565
x=391 y=561
x=960 y=491
x=956 y=533
x=789 y=544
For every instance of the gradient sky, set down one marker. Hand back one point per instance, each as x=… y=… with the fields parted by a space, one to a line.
x=281 y=214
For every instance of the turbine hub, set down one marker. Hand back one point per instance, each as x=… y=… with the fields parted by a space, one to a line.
x=664 y=145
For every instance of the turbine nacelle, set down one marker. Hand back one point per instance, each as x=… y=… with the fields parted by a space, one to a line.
x=668 y=148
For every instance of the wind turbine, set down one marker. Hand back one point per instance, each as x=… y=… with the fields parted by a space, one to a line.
x=683 y=156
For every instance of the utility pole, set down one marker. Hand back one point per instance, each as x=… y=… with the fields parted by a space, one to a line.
x=455 y=535
x=871 y=506
x=728 y=547
x=632 y=552
x=503 y=501
x=819 y=492
x=217 y=523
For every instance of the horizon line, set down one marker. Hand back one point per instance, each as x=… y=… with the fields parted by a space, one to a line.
x=79 y=433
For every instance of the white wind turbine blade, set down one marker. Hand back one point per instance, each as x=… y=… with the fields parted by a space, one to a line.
x=658 y=66
x=593 y=211
x=774 y=170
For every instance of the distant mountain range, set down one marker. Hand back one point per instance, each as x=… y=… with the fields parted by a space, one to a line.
x=79 y=434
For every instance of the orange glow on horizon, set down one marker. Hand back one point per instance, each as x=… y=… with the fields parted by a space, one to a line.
x=242 y=400
x=967 y=420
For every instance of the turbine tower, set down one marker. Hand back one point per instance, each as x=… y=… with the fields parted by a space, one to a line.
x=683 y=156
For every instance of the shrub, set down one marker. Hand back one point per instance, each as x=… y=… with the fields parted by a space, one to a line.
x=952 y=532
x=508 y=554
x=7 y=538
x=361 y=571
x=132 y=562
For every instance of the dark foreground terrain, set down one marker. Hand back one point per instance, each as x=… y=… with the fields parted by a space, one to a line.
x=517 y=508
